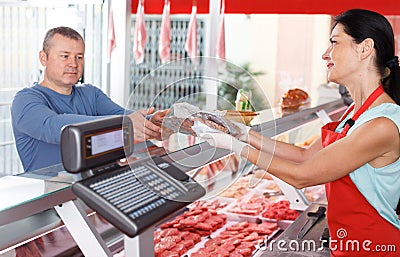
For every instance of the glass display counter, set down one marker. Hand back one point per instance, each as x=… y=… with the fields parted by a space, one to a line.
x=35 y=198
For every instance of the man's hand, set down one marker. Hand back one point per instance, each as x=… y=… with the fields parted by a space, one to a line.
x=157 y=119
x=223 y=140
x=147 y=129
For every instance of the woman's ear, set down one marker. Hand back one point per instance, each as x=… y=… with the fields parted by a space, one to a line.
x=43 y=58
x=367 y=46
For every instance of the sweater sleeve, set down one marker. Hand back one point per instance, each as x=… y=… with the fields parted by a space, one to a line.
x=105 y=106
x=31 y=115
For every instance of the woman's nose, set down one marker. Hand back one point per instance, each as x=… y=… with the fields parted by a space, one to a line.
x=325 y=55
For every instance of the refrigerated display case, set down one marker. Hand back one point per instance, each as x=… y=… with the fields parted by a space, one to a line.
x=25 y=218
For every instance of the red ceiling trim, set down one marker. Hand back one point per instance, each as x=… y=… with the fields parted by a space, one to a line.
x=334 y=7
x=176 y=7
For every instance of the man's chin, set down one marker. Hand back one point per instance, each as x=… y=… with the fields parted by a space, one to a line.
x=71 y=81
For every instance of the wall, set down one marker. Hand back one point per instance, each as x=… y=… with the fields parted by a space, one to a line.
x=288 y=48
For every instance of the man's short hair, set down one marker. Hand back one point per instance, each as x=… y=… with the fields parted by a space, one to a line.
x=64 y=31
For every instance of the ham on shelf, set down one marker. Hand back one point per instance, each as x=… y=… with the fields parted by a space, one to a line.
x=294 y=99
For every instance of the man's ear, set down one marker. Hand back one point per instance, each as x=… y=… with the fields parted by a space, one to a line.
x=43 y=58
x=367 y=46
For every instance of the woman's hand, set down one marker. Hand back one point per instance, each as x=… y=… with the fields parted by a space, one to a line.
x=244 y=131
x=222 y=140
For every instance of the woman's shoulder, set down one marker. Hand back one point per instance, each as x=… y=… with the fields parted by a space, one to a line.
x=381 y=115
x=384 y=110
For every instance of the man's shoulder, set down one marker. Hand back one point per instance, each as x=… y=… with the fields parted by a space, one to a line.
x=34 y=89
x=26 y=96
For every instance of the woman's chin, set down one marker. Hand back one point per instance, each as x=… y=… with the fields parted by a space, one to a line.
x=332 y=79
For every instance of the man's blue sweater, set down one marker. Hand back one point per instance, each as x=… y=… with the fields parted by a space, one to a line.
x=39 y=114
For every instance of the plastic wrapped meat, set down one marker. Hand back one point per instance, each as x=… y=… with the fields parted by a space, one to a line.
x=188 y=119
x=211 y=120
x=181 y=125
x=214 y=121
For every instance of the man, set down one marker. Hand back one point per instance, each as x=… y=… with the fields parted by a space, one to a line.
x=40 y=112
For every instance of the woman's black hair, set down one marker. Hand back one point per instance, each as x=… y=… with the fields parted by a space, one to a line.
x=361 y=24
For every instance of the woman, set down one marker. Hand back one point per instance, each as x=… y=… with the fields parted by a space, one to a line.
x=357 y=157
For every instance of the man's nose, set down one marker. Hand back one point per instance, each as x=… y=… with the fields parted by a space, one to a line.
x=73 y=61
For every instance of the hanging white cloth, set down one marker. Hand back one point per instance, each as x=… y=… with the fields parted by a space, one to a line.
x=191 y=39
x=220 y=48
x=165 y=34
x=111 y=34
x=140 y=36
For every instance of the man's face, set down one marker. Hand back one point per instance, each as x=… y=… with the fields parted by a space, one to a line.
x=64 y=63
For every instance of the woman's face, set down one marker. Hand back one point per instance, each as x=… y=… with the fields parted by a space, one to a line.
x=341 y=56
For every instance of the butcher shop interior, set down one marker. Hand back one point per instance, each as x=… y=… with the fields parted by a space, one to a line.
x=159 y=128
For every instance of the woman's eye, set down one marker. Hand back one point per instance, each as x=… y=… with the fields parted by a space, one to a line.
x=333 y=42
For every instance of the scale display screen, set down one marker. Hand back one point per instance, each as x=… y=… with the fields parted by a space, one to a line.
x=107 y=142
x=90 y=144
x=104 y=142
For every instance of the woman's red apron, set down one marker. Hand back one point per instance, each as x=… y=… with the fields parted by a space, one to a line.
x=355 y=227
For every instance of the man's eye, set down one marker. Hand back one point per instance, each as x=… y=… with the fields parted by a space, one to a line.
x=64 y=56
x=79 y=57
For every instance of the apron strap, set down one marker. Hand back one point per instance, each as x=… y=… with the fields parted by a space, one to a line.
x=371 y=98
x=351 y=107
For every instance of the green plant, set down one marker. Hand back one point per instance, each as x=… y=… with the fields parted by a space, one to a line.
x=235 y=77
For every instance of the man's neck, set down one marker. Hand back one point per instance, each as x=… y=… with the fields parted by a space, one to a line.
x=64 y=90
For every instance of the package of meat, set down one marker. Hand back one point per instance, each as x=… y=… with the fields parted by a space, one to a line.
x=180 y=119
x=205 y=121
x=181 y=125
x=184 y=110
x=189 y=119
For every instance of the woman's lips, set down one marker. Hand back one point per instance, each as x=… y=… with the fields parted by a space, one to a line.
x=329 y=65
